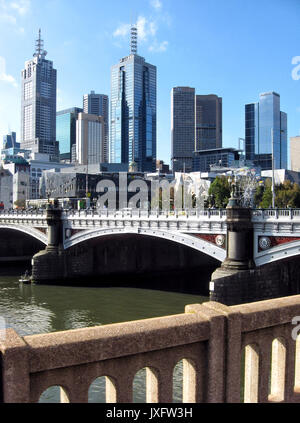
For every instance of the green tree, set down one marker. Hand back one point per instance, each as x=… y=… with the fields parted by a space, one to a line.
x=220 y=191
x=258 y=196
x=266 y=198
x=287 y=195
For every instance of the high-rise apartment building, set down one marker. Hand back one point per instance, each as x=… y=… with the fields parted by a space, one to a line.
x=208 y=121
x=66 y=131
x=182 y=128
x=38 y=104
x=89 y=139
x=133 y=111
x=97 y=104
x=266 y=132
x=295 y=153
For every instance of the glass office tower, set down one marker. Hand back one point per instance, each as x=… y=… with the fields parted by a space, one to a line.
x=133 y=113
x=38 y=104
x=10 y=141
x=208 y=121
x=66 y=131
x=182 y=128
x=261 y=119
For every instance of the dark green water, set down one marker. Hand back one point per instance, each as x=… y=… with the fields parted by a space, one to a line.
x=34 y=309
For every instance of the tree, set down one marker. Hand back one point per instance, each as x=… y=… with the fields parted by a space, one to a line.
x=220 y=191
x=266 y=198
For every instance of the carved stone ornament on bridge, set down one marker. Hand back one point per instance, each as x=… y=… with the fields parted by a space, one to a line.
x=264 y=242
x=220 y=239
x=68 y=233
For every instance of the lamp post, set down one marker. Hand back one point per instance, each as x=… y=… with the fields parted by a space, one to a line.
x=273 y=182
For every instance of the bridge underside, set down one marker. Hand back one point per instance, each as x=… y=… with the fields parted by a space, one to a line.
x=130 y=260
x=16 y=245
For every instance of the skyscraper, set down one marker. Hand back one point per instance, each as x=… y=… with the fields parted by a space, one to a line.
x=97 y=104
x=38 y=104
x=10 y=141
x=133 y=110
x=66 y=131
x=182 y=128
x=263 y=119
x=89 y=139
x=208 y=120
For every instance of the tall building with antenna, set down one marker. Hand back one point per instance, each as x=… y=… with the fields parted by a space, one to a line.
x=133 y=110
x=38 y=104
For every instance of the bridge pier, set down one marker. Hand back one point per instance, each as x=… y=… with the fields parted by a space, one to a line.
x=49 y=264
x=239 y=263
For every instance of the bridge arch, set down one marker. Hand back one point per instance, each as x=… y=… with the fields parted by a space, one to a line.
x=196 y=243
x=280 y=252
x=35 y=233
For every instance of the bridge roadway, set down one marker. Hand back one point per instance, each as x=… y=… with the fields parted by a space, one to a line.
x=276 y=232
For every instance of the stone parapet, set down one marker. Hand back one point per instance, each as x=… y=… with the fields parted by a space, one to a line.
x=211 y=339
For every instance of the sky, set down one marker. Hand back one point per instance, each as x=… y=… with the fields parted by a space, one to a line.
x=236 y=49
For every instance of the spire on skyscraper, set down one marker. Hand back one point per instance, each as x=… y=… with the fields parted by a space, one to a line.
x=39 y=47
x=133 y=40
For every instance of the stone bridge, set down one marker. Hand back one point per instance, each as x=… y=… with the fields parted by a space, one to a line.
x=240 y=239
x=276 y=233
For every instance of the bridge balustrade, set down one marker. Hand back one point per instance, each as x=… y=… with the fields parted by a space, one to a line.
x=210 y=339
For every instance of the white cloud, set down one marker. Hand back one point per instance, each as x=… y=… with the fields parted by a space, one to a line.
x=147 y=29
x=122 y=30
x=10 y=11
x=21 y=6
x=4 y=76
x=157 y=4
x=159 y=47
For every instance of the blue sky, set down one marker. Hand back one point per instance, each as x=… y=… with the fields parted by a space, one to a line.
x=233 y=48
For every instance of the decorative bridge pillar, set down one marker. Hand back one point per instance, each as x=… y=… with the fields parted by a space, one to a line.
x=54 y=228
x=49 y=264
x=225 y=283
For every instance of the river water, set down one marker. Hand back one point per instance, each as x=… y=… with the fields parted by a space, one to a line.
x=34 y=309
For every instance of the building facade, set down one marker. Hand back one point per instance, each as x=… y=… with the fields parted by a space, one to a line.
x=182 y=128
x=66 y=131
x=203 y=160
x=208 y=121
x=6 y=189
x=266 y=132
x=133 y=112
x=38 y=104
x=90 y=139
x=98 y=104
x=295 y=153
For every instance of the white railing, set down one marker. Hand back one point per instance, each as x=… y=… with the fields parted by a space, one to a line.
x=275 y=214
x=220 y=214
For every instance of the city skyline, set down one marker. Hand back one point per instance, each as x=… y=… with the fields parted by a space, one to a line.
x=209 y=57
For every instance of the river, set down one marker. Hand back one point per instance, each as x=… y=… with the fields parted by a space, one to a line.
x=34 y=309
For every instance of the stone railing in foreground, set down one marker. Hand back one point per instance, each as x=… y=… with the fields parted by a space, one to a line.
x=211 y=339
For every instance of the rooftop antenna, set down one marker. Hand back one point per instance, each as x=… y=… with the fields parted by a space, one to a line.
x=39 y=46
x=133 y=40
